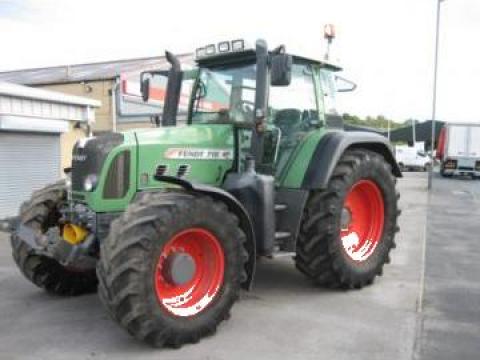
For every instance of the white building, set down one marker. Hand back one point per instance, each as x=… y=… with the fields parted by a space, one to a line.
x=37 y=131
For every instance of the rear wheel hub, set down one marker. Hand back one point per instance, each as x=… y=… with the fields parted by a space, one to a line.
x=362 y=220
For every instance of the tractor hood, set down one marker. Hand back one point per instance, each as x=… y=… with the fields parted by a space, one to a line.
x=198 y=153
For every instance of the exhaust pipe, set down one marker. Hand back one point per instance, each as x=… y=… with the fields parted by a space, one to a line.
x=174 y=85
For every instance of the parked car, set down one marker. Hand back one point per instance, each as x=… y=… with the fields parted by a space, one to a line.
x=411 y=158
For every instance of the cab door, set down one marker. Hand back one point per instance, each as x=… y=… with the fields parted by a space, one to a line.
x=293 y=113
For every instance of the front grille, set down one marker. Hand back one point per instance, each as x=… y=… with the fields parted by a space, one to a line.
x=465 y=168
x=118 y=178
x=89 y=156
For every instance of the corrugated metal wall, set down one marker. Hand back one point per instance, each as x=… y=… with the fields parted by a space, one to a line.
x=27 y=163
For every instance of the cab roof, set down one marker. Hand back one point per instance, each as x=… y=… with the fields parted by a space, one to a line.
x=248 y=55
x=322 y=63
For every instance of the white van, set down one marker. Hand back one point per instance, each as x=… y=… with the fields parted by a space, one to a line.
x=412 y=158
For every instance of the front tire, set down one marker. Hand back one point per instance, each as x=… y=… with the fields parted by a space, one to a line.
x=142 y=283
x=40 y=213
x=348 y=230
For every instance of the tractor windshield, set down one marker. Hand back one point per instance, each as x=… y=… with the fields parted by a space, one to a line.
x=225 y=94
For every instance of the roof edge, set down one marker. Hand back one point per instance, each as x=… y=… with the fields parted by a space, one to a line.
x=90 y=63
x=26 y=92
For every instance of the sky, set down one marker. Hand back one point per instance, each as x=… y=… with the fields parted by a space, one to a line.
x=385 y=46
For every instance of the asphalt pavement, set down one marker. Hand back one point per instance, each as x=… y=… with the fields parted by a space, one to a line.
x=398 y=317
x=449 y=325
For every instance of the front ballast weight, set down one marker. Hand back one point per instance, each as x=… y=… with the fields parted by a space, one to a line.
x=41 y=252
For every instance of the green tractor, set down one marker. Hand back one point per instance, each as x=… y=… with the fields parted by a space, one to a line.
x=169 y=223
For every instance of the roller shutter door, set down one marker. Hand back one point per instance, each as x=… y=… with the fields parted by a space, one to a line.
x=27 y=163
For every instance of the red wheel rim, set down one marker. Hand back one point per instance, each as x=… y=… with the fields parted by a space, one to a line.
x=201 y=249
x=362 y=220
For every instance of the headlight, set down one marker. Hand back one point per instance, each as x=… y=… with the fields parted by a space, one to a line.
x=238 y=45
x=90 y=182
x=210 y=49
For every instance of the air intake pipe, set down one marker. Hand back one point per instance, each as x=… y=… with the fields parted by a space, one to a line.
x=174 y=86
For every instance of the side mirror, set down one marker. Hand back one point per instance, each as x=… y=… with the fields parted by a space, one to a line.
x=145 y=88
x=344 y=85
x=281 y=70
x=146 y=79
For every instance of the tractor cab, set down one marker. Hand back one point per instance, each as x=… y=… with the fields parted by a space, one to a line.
x=272 y=99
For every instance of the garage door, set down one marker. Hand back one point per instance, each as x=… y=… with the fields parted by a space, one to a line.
x=27 y=163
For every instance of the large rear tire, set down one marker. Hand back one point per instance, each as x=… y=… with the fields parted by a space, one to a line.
x=40 y=213
x=348 y=230
x=170 y=270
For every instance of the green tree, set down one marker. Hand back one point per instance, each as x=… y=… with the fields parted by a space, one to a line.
x=378 y=122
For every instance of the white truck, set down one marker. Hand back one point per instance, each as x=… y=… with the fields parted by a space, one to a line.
x=459 y=149
x=412 y=157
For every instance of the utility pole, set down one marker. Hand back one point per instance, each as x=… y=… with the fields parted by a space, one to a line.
x=388 y=129
x=414 y=131
x=434 y=100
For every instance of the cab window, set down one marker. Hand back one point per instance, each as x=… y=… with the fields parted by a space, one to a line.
x=293 y=112
x=225 y=94
x=329 y=89
x=294 y=107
